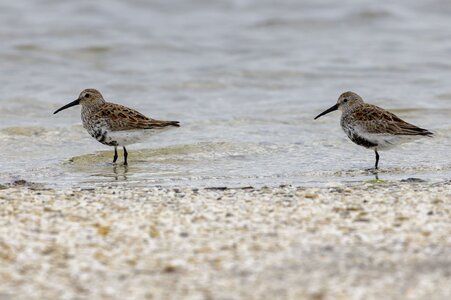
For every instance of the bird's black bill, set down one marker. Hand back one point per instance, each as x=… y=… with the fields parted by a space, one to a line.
x=73 y=103
x=333 y=108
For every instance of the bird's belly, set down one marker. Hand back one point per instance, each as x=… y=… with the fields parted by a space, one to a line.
x=379 y=141
x=103 y=136
x=359 y=138
x=127 y=137
x=121 y=137
x=388 y=141
x=362 y=141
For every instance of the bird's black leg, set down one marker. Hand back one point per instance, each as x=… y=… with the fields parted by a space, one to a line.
x=125 y=156
x=377 y=159
x=115 y=154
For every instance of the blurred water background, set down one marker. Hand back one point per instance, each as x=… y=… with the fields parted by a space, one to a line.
x=245 y=78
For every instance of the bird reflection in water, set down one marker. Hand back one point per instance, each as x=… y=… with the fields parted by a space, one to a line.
x=120 y=172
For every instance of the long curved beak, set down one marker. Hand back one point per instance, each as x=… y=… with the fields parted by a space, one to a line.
x=333 y=108
x=73 y=103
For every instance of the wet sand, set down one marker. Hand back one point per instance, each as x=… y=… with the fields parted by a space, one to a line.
x=368 y=241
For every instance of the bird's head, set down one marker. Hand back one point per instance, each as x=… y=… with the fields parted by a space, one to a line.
x=87 y=97
x=345 y=102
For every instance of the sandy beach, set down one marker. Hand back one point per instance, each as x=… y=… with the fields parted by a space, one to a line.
x=366 y=241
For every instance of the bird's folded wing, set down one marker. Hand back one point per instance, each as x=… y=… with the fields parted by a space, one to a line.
x=118 y=117
x=376 y=120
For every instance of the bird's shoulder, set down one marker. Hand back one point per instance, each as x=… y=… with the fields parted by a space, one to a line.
x=119 y=117
x=372 y=113
x=117 y=111
x=374 y=119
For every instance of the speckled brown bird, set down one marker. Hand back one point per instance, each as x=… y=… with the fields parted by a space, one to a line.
x=373 y=127
x=113 y=124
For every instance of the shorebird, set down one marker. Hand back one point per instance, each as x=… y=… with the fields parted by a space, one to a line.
x=113 y=124
x=373 y=127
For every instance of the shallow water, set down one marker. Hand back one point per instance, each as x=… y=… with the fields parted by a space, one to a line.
x=245 y=78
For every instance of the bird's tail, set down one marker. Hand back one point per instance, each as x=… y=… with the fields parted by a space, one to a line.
x=409 y=129
x=425 y=132
x=156 y=124
x=173 y=123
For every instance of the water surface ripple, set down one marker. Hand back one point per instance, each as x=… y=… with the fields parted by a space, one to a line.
x=245 y=78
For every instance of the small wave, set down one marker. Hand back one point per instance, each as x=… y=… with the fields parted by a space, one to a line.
x=24 y=131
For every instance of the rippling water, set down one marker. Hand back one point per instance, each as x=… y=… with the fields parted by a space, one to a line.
x=245 y=78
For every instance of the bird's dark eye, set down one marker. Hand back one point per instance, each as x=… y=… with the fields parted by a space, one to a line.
x=345 y=100
x=87 y=95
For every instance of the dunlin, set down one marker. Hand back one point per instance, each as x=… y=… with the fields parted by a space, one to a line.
x=113 y=124
x=373 y=127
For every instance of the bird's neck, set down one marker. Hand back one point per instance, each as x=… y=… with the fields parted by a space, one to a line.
x=92 y=108
x=351 y=109
x=88 y=112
